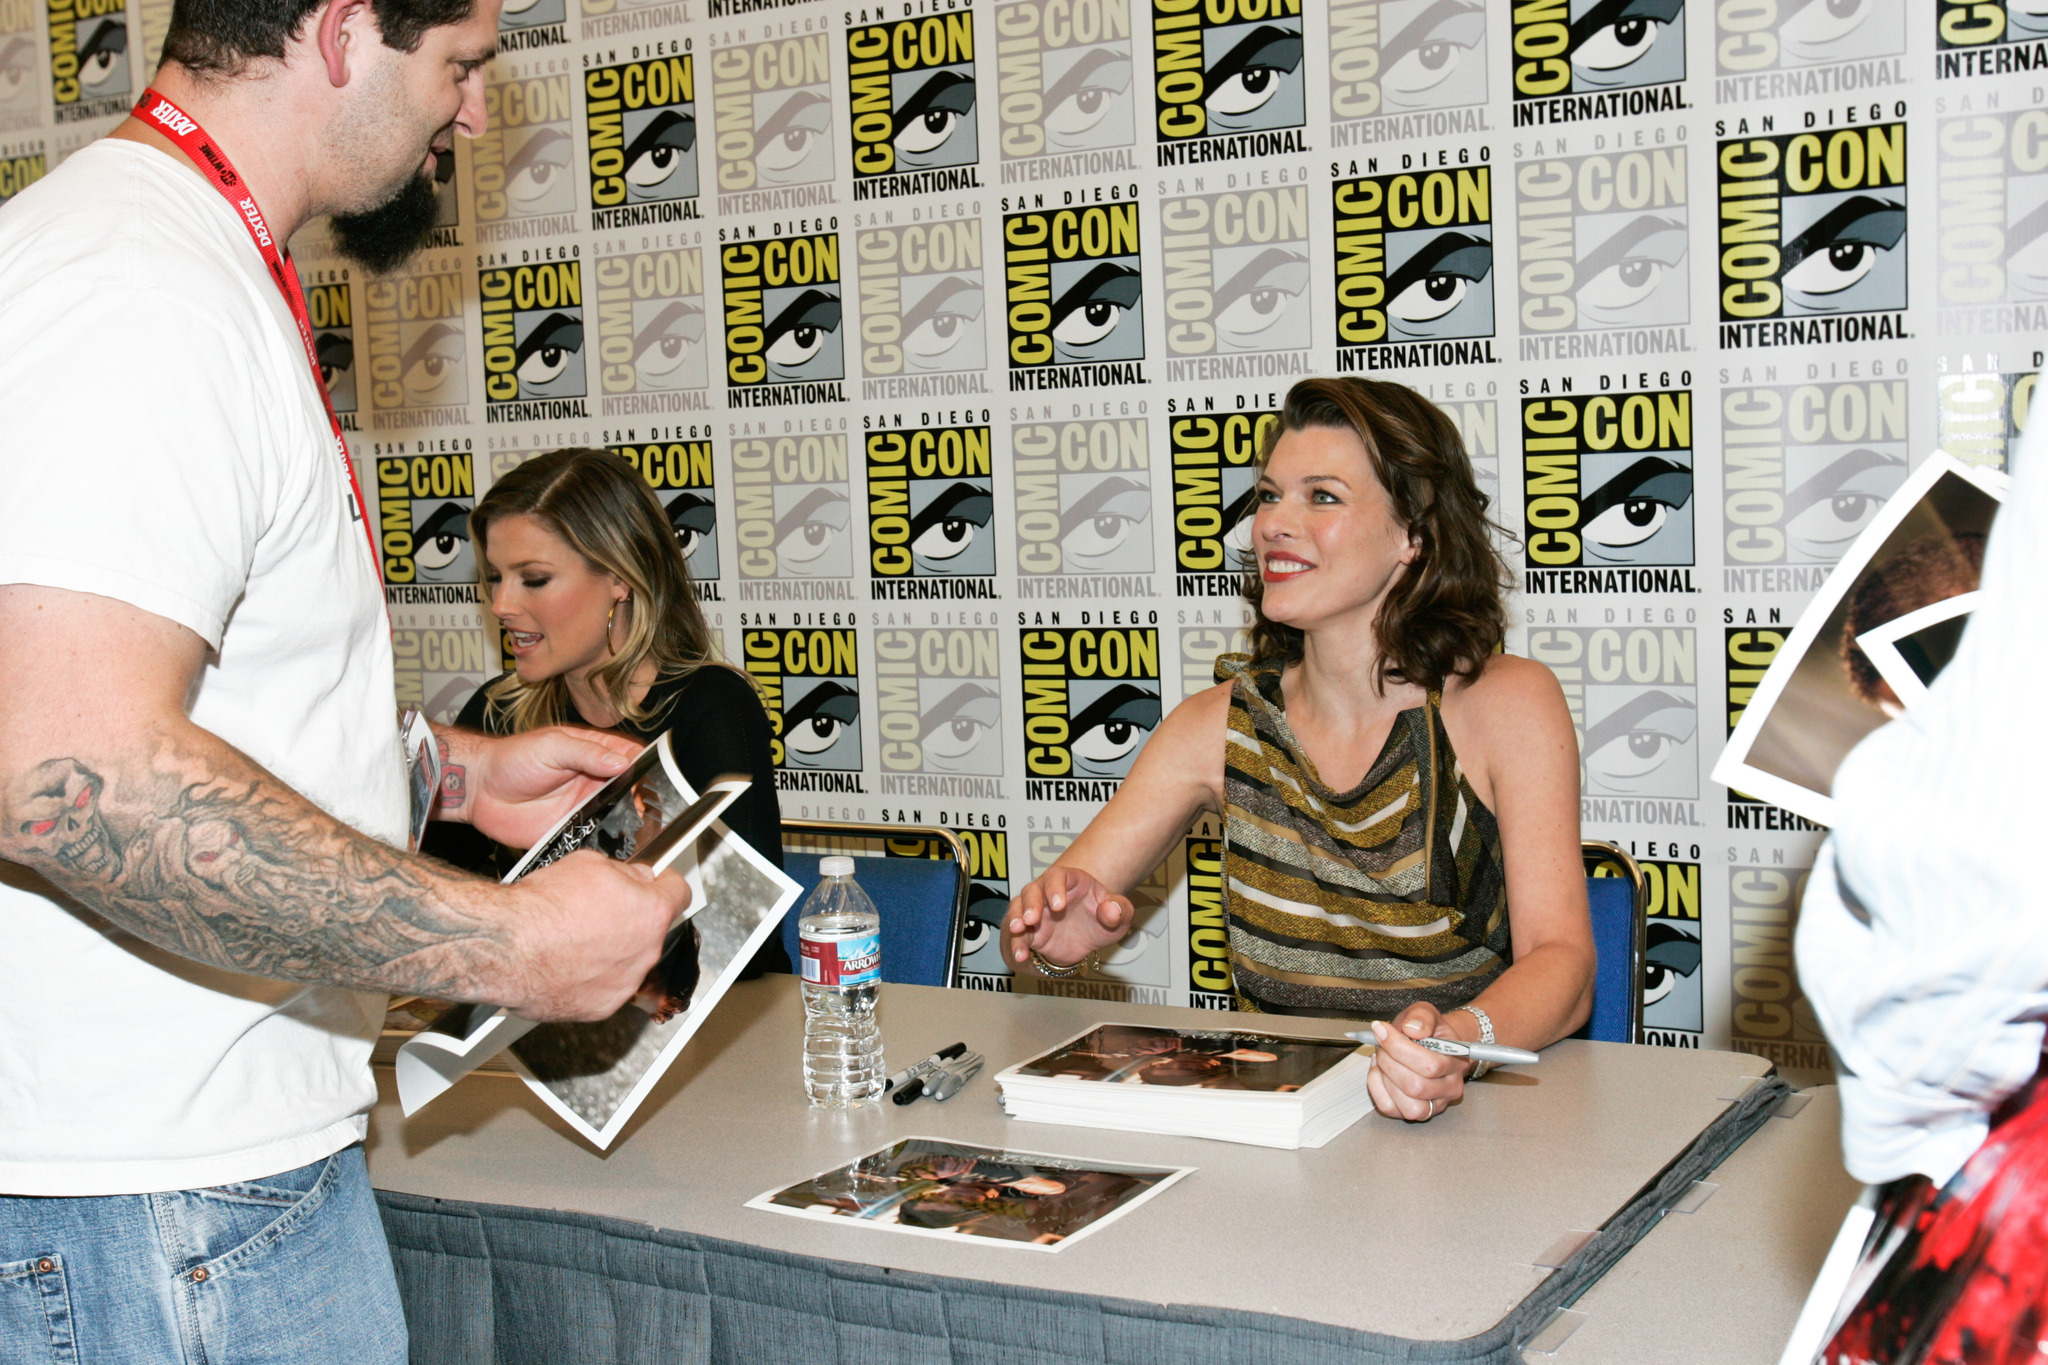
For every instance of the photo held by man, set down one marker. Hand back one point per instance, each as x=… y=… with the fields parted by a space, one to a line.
x=754 y=681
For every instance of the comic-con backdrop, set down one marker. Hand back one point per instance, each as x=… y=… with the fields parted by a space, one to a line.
x=947 y=331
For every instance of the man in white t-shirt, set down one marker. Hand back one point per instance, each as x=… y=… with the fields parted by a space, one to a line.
x=203 y=895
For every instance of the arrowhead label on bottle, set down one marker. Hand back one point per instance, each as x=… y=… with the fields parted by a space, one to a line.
x=852 y=961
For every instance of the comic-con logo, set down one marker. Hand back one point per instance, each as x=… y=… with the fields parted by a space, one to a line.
x=782 y=312
x=533 y=341
x=438 y=669
x=774 y=106
x=913 y=117
x=1091 y=700
x=1813 y=236
x=1209 y=983
x=1083 y=506
x=921 y=302
x=1227 y=79
x=1063 y=81
x=1215 y=481
x=418 y=353
x=931 y=498
x=809 y=681
x=651 y=351
x=1769 y=1015
x=1580 y=59
x=423 y=507
x=88 y=58
x=1804 y=469
x=1748 y=651
x=1400 y=58
x=19 y=65
x=641 y=119
x=1781 y=37
x=1993 y=245
x=20 y=169
x=1608 y=484
x=1237 y=272
x=521 y=166
x=938 y=712
x=1601 y=245
x=1074 y=297
x=1983 y=415
x=681 y=475
x=334 y=342
x=1988 y=37
x=792 y=514
x=524 y=24
x=1633 y=693
x=1414 y=268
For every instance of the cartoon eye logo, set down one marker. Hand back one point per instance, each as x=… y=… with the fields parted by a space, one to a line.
x=942 y=319
x=1257 y=296
x=959 y=725
x=1435 y=280
x=1112 y=728
x=432 y=366
x=17 y=67
x=811 y=528
x=1082 y=97
x=659 y=152
x=789 y=136
x=1824 y=513
x=1842 y=247
x=1092 y=309
x=820 y=719
x=799 y=331
x=442 y=538
x=949 y=524
x=1430 y=49
x=693 y=517
x=1238 y=519
x=548 y=349
x=337 y=353
x=1629 y=266
x=1637 y=739
x=1103 y=519
x=1821 y=24
x=1250 y=73
x=932 y=114
x=539 y=170
x=1670 y=953
x=1634 y=505
x=1616 y=34
x=101 y=55
x=663 y=346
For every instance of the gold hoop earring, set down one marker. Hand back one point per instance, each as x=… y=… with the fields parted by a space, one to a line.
x=609 y=617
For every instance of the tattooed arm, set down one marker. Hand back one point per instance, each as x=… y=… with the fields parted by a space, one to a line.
x=110 y=792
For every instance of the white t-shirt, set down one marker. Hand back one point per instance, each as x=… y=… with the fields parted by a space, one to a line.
x=165 y=445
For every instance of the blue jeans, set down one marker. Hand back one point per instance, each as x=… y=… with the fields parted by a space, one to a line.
x=288 y=1270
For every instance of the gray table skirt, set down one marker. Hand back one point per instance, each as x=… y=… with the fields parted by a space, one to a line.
x=492 y=1285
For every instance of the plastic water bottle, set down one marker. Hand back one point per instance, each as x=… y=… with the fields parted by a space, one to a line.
x=842 y=974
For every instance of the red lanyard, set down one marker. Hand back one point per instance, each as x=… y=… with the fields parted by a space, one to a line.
x=192 y=140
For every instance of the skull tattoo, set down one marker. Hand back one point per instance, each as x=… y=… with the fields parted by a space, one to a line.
x=54 y=811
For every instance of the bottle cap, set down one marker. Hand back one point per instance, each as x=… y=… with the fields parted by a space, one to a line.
x=838 y=865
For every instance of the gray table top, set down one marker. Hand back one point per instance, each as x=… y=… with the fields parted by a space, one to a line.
x=1725 y=1283
x=1423 y=1231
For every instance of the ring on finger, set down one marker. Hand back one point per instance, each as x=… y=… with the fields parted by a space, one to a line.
x=1432 y=1108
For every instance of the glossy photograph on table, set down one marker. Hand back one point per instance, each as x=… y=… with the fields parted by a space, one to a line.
x=1225 y=1059
x=952 y=1189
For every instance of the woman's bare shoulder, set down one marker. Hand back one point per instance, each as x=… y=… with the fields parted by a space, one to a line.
x=1199 y=715
x=1509 y=691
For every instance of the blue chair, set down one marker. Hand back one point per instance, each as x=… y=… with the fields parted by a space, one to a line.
x=1618 y=897
x=922 y=900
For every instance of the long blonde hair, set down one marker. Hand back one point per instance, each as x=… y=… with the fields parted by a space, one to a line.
x=606 y=512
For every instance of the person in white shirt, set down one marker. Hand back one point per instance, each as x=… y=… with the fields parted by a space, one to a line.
x=202 y=810
x=1923 y=935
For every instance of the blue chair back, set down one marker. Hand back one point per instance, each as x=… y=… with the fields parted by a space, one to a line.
x=919 y=900
x=1615 y=900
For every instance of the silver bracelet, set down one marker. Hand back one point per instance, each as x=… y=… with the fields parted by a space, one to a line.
x=1485 y=1036
x=1046 y=968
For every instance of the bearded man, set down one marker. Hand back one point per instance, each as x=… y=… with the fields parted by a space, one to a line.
x=204 y=883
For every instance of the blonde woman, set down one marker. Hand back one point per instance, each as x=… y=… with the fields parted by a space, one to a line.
x=586 y=577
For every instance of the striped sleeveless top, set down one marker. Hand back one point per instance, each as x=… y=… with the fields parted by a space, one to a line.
x=1354 y=904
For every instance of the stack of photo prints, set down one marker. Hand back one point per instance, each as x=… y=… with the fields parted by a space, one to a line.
x=1235 y=1085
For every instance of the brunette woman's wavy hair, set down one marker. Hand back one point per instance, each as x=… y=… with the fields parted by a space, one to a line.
x=596 y=502
x=1447 y=611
